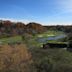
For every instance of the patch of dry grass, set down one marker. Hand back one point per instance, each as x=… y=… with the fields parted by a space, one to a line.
x=15 y=58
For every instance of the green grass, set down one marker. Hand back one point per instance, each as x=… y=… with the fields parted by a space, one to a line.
x=58 y=42
x=32 y=41
x=11 y=39
x=50 y=33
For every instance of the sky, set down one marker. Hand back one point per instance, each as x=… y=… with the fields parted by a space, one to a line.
x=46 y=12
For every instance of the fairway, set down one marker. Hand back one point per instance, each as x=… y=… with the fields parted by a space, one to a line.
x=10 y=39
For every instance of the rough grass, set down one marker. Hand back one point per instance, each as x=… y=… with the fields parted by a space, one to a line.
x=15 y=58
x=52 y=60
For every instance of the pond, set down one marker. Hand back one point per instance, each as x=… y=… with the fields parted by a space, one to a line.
x=46 y=39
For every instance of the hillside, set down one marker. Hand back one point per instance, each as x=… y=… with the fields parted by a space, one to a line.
x=35 y=28
x=8 y=28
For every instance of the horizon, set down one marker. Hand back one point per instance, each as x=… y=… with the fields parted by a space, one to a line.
x=45 y=12
x=33 y=22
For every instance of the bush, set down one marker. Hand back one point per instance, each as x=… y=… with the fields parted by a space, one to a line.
x=16 y=59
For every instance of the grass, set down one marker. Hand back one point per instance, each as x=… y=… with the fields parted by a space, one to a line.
x=32 y=41
x=52 y=60
x=15 y=58
x=50 y=33
x=11 y=39
x=57 y=42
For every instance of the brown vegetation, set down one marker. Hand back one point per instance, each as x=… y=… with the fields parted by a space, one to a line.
x=35 y=27
x=15 y=58
x=11 y=28
x=8 y=28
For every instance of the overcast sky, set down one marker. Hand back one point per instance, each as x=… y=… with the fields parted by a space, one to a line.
x=47 y=12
